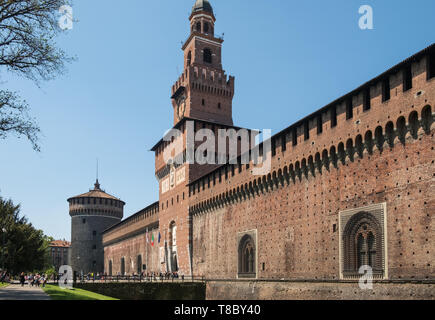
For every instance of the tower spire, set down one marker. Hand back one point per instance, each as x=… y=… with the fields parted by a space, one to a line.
x=97 y=184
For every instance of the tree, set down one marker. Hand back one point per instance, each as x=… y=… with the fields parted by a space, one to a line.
x=28 y=49
x=14 y=118
x=24 y=248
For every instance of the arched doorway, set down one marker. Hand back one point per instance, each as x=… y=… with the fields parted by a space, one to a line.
x=173 y=259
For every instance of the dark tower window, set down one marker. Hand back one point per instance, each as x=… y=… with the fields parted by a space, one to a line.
x=206 y=27
x=207 y=56
x=407 y=78
x=366 y=105
x=189 y=58
x=273 y=147
x=349 y=109
x=283 y=143
x=333 y=117
x=386 y=89
x=198 y=26
x=431 y=65
x=203 y=102
x=247 y=257
x=306 y=130
x=319 y=124
x=219 y=105
x=83 y=220
x=295 y=137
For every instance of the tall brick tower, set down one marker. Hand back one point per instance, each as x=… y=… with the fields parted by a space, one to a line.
x=202 y=94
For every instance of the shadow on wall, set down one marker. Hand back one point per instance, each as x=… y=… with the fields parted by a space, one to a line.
x=148 y=291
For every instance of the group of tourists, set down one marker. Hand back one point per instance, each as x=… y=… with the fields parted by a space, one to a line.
x=33 y=280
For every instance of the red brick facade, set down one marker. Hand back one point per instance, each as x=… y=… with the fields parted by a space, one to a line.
x=372 y=148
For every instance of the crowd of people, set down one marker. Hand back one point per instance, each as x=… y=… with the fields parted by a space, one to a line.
x=33 y=280
x=144 y=276
x=38 y=280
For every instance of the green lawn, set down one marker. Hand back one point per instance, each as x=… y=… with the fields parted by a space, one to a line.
x=2 y=285
x=57 y=293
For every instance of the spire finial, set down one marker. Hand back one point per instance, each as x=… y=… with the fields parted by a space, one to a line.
x=97 y=184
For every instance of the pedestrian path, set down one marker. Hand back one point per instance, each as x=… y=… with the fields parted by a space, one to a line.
x=16 y=292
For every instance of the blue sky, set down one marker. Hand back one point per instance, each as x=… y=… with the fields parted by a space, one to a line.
x=289 y=59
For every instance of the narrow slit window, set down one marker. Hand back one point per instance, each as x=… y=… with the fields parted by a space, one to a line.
x=295 y=136
x=386 y=89
x=366 y=105
x=407 y=78
x=333 y=117
x=283 y=142
x=319 y=124
x=306 y=130
x=349 y=109
x=431 y=65
x=273 y=147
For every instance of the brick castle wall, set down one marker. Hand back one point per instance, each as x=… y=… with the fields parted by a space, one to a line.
x=295 y=208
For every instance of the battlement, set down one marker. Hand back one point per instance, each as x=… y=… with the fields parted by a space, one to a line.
x=147 y=217
x=391 y=109
x=205 y=79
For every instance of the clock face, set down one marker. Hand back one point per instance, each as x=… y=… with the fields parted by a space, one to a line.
x=181 y=108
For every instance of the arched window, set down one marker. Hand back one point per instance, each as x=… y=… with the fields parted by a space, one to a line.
x=247 y=257
x=362 y=244
x=206 y=27
x=207 y=56
x=198 y=26
x=122 y=266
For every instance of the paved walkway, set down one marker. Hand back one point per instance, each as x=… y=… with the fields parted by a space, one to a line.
x=16 y=292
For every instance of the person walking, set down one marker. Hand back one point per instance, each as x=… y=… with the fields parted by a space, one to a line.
x=43 y=280
x=22 y=279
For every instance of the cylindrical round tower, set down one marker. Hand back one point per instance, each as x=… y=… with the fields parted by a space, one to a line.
x=91 y=213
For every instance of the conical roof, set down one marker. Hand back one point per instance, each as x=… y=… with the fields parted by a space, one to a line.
x=96 y=193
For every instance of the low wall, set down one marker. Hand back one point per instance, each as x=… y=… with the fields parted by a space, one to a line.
x=148 y=290
x=287 y=290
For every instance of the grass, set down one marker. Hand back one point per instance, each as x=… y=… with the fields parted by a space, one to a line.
x=57 y=293
x=2 y=285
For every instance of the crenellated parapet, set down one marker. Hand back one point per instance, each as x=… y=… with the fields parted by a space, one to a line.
x=136 y=224
x=370 y=119
x=205 y=79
